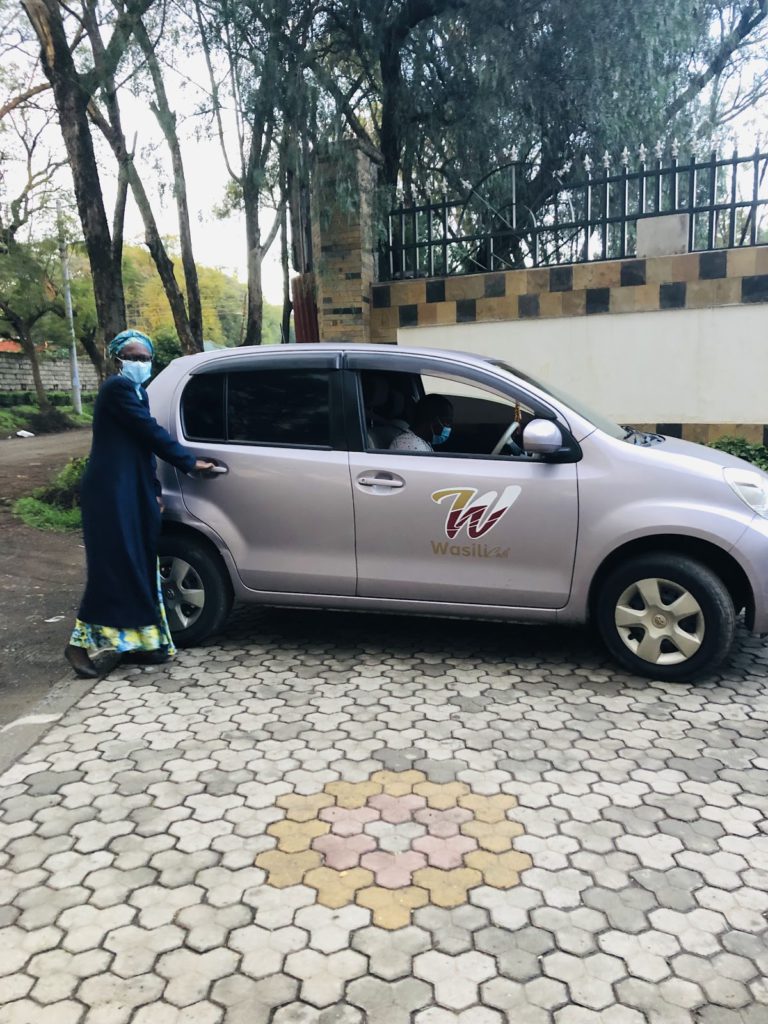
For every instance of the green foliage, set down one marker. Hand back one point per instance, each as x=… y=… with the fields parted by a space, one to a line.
x=757 y=454
x=64 y=489
x=41 y=516
x=9 y=399
x=55 y=507
x=24 y=417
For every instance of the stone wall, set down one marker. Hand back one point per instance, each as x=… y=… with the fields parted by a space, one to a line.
x=16 y=374
x=342 y=240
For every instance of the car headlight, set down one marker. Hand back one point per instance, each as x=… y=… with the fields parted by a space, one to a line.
x=751 y=487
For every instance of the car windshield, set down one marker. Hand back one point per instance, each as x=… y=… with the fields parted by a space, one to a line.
x=600 y=421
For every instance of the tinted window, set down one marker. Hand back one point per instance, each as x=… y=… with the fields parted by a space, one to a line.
x=279 y=407
x=202 y=408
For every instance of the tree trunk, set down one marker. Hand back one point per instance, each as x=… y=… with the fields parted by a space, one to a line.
x=28 y=347
x=167 y=121
x=164 y=265
x=88 y=341
x=391 y=115
x=255 y=314
x=71 y=102
x=285 y=333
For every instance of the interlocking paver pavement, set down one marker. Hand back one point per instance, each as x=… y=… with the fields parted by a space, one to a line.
x=332 y=819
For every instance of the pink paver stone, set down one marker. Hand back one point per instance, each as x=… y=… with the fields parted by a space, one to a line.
x=397 y=809
x=393 y=870
x=347 y=821
x=343 y=852
x=444 y=853
x=443 y=823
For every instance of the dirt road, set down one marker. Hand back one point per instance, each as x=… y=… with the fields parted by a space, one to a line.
x=41 y=575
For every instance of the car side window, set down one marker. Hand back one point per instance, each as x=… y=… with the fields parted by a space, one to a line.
x=484 y=422
x=267 y=407
x=202 y=408
x=279 y=407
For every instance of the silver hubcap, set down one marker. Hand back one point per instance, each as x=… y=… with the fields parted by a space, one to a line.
x=660 y=621
x=183 y=593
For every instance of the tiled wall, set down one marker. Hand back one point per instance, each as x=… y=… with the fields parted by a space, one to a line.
x=691 y=281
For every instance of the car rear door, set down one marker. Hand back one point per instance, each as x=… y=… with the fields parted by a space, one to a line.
x=458 y=528
x=283 y=506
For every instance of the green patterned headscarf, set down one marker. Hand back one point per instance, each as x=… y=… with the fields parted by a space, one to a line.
x=124 y=338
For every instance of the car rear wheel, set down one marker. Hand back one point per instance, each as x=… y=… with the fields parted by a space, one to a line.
x=666 y=616
x=197 y=592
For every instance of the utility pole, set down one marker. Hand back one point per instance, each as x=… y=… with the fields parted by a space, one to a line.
x=74 y=370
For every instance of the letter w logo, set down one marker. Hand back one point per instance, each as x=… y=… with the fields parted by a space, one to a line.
x=478 y=514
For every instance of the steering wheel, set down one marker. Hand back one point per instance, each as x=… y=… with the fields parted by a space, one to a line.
x=506 y=439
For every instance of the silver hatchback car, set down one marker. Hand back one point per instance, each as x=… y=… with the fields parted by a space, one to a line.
x=338 y=484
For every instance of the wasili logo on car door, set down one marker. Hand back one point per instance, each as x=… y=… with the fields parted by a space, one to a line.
x=475 y=513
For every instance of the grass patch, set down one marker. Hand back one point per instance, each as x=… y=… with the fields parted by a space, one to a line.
x=39 y=514
x=29 y=417
x=55 y=507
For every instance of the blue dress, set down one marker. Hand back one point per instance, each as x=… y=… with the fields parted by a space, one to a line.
x=121 y=606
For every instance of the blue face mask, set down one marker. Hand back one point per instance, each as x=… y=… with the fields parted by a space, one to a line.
x=442 y=437
x=136 y=372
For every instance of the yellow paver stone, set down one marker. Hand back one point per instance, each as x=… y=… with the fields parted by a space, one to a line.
x=392 y=907
x=448 y=888
x=353 y=794
x=295 y=836
x=499 y=870
x=441 y=796
x=284 y=869
x=303 y=808
x=398 y=783
x=495 y=836
x=488 y=808
x=337 y=889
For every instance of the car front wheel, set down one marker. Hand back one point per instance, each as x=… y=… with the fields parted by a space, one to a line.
x=666 y=616
x=197 y=592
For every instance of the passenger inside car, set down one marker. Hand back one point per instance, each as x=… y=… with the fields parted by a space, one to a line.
x=432 y=426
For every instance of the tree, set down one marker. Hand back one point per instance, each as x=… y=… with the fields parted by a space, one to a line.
x=28 y=295
x=73 y=92
x=441 y=91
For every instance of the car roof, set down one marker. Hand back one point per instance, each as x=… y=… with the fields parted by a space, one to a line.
x=325 y=348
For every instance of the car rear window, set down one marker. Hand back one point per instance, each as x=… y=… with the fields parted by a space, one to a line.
x=281 y=407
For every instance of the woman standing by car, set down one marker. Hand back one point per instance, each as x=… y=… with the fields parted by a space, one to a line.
x=122 y=608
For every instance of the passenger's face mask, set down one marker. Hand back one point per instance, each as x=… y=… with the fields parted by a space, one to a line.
x=442 y=437
x=136 y=372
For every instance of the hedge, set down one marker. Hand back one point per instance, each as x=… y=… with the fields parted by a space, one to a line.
x=8 y=399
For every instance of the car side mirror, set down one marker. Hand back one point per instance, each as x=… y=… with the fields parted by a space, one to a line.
x=542 y=437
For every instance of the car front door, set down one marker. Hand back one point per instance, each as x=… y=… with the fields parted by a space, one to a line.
x=459 y=526
x=283 y=503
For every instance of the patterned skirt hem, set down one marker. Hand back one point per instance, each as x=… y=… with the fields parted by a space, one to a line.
x=133 y=638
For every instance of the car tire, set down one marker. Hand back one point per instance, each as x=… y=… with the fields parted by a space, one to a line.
x=197 y=591
x=666 y=616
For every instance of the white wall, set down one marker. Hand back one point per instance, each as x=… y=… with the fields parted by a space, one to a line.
x=675 y=366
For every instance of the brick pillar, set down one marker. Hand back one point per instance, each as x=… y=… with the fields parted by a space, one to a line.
x=343 y=245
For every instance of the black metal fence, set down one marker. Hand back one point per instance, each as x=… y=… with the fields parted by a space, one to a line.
x=521 y=219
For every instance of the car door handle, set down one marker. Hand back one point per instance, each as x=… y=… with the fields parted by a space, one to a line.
x=380 y=481
x=217 y=470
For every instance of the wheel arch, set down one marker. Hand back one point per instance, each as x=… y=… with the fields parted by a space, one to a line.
x=171 y=528
x=713 y=557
